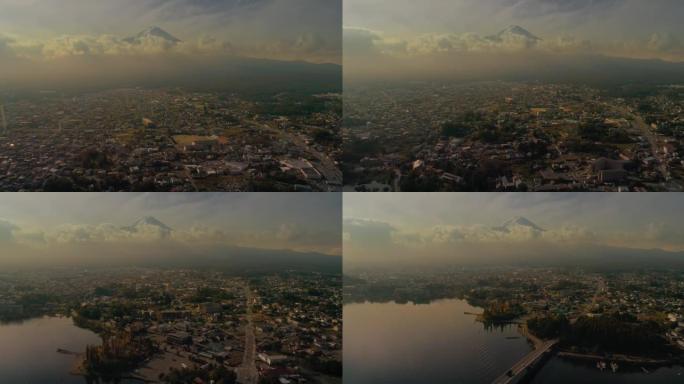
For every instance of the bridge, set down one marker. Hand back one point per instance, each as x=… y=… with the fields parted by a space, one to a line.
x=540 y=348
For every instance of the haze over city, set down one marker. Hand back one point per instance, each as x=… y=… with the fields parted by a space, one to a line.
x=57 y=43
x=438 y=230
x=170 y=288
x=96 y=229
x=467 y=39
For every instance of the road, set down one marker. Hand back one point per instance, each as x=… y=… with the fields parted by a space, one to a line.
x=600 y=290
x=330 y=170
x=247 y=373
x=653 y=141
x=525 y=362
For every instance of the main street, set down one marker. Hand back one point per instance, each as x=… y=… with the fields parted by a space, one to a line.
x=247 y=373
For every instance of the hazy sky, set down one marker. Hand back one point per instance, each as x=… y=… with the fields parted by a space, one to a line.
x=58 y=223
x=54 y=44
x=292 y=29
x=396 y=226
x=433 y=32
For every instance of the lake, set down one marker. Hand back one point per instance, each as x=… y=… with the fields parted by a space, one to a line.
x=28 y=350
x=440 y=343
x=426 y=343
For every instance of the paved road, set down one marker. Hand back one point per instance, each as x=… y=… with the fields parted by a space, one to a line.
x=331 y=172
x=653 y=141
x=525 y=362
x=247 y=373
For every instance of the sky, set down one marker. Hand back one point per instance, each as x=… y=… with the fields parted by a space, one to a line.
x=427 y=33
x=52 y=42
x=287 y=29
x=447 y=226
x=50 y=225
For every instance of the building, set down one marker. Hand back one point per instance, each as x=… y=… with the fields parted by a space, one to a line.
x=179 y=338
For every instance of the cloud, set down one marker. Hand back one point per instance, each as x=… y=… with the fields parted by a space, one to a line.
x=106 y=232
x=536 y=8
x=664 y=233
x=107 y=45
x=7 y=230
x=98 y=27
x=368 y=232
x=290 y=232
x=309 y=47
x=11 y=233
x=360 y=41
x=151 y=232
x=665 y=42
x=467 y=56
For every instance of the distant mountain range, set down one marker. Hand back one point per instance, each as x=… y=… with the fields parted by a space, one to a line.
x=232 y=258
x=594 y=256
x=543 y=253
x=168 y=253
x=215 y=72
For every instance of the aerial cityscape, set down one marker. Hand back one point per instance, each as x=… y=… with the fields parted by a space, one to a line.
x=341 y=191
x=116 y=102
x=587 y=104
x=151 y=302
x=585 y=297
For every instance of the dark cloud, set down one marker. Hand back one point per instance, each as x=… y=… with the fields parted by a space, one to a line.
x=370 y=233
x=532 y=8
x=7 y=231
x=360 y=41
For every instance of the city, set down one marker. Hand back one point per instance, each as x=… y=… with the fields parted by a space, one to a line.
x=177 y=326
x=160 y=97
x=229 y=288
x=584 y=292
x=500 y=136
x=526 y=295
x=516 y=96
x=170 y=140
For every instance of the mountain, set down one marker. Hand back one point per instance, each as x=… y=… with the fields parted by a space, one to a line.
x=152 y=33
x=514 y=33
x=600 y=257
x=517 y=222
x=240 y=260
x=149 y=224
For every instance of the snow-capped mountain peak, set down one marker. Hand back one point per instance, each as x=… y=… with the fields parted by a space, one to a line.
x=515 y=33
x=153 y=33
x=147 y=224
x=518 y=221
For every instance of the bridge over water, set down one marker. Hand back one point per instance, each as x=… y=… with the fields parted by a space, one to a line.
x=540 y=348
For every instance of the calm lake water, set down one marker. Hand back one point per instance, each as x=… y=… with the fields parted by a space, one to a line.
x=28 y=350
x=432 y=343
x=439 y=343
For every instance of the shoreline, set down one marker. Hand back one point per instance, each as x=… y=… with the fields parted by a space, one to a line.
x=620 y=358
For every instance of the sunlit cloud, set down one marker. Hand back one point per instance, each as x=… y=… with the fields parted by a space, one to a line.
x=506 y=227
x=207 y=222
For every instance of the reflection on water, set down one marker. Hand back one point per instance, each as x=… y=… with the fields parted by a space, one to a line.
x=432 y=343
x=28 y=350
x=562 y=371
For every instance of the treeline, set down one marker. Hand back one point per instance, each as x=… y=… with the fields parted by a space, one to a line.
x=615 y=332
x=217 y=374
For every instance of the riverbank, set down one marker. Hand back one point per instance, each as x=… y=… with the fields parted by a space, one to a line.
x=619 y=358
